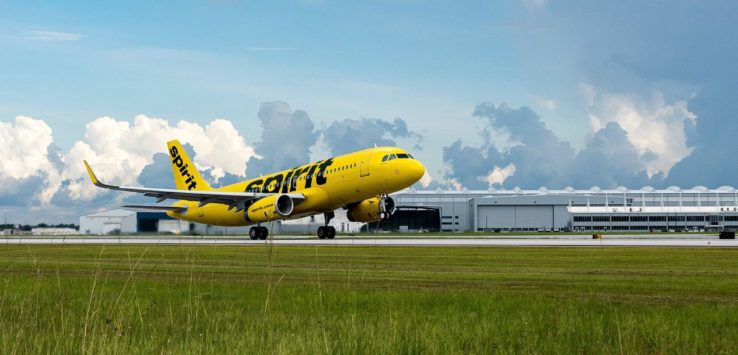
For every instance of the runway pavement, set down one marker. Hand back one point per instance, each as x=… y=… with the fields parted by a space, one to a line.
x=465 y=242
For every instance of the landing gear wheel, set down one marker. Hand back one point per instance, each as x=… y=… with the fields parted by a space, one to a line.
x=327 y=231
x=263 y=233
x=254 y=233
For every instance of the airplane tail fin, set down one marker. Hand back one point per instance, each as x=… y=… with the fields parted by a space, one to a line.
x=186 y=176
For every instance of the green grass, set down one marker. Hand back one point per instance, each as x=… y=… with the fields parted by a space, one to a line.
x=377 y=235
x=225 y=299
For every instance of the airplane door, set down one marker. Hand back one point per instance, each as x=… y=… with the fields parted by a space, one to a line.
x=364 y=169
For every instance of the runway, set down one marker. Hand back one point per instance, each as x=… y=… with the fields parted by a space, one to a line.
x=437 y=242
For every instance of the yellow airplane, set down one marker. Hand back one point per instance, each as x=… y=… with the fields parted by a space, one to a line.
x=360 y=182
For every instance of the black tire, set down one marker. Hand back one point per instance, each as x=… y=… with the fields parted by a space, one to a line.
x=263 y=233
x=331 y=232
x=322 y=232
x=254 y=233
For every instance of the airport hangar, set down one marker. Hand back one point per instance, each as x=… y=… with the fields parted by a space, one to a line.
x=595 y=209
x=516 y=210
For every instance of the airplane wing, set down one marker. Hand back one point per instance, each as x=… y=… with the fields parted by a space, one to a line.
x=235 y=200
x=155 y=208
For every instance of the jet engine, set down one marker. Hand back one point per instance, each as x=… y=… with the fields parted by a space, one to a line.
x=372 y=209
x=270 y=208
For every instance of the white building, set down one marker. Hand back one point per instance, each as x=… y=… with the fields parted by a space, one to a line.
x=621 y=209
x=106 y=222
x=53 y=231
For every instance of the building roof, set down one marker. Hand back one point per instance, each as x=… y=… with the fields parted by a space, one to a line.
x=650 y=209
x=118 y=212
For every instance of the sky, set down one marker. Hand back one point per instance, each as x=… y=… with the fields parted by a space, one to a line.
x=487 y=94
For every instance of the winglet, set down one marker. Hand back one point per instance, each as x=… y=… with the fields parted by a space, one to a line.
x=92 y=174
x=94 y=179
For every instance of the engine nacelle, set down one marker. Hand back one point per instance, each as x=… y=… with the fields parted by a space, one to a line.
x=372 y=209
x=270 y=208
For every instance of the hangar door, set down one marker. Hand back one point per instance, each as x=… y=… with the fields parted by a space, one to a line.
x=409 y=219
x=515 y=217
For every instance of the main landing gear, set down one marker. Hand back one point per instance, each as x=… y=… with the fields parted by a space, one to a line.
x=258 y=232
x=327 y=231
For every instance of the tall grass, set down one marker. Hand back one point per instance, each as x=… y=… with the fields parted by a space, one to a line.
x=195 y=299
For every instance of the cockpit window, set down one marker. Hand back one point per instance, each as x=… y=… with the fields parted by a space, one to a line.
x=403 y=156
x=384 y=158
x=392 y=156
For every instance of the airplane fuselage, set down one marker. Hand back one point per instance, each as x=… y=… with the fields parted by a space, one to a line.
x=326 y=185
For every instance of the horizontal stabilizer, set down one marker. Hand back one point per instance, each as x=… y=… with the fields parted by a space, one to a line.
x=155 y=208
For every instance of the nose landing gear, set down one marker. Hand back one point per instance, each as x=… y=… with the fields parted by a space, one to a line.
x=327 y=231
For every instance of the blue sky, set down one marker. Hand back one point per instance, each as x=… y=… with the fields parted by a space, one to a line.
x=201 y=60
x=510 y=82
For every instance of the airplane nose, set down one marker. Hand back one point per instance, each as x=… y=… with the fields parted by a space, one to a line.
x=418 y=170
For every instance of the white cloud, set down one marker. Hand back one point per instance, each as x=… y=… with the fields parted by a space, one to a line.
x=653 y=125
x=24 y=150
x=497 y=175
x=23 y=146
x=320 y=150
x=426 y=180
x=545 y=103
x=588 y=93
x=226 y=152
x=52 y=36
x=455 y=184
x=119 y=150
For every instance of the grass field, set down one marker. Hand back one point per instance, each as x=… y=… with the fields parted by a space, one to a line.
x=381 y=235
x=195 y=299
